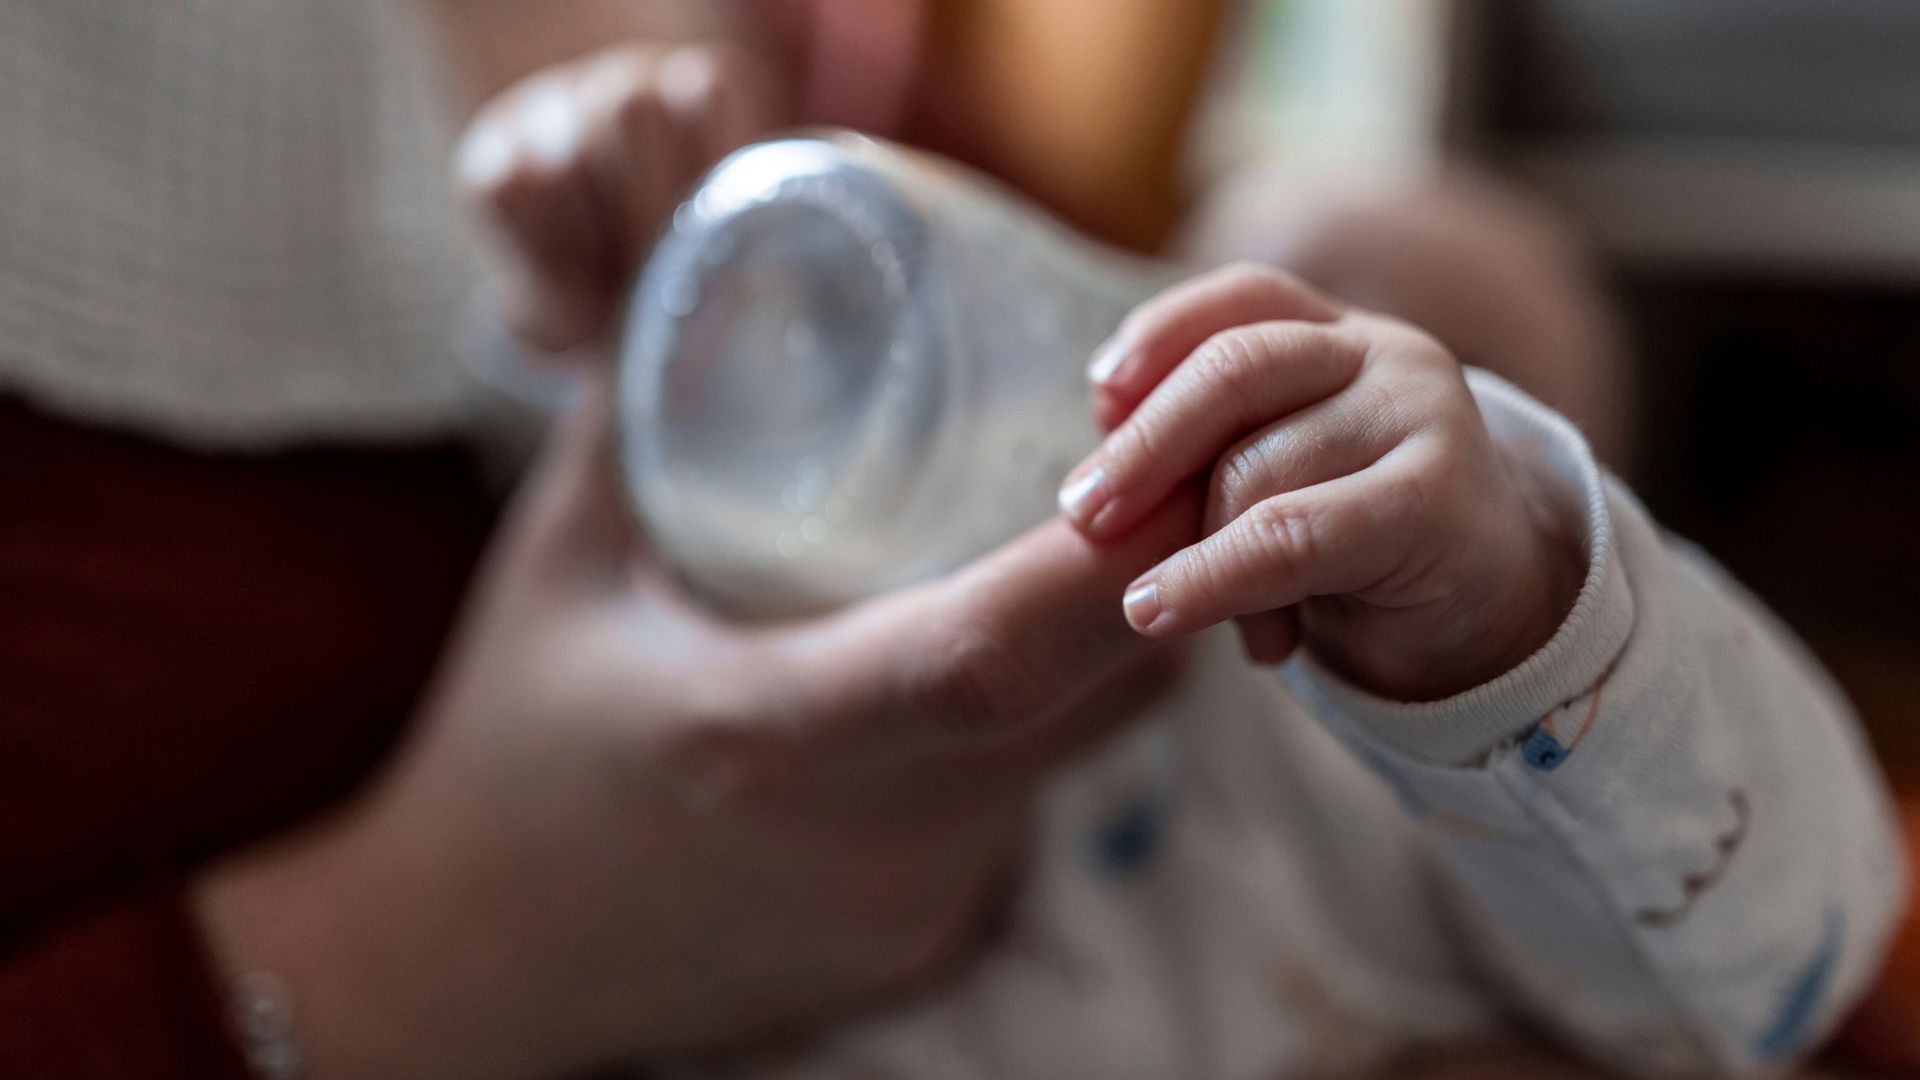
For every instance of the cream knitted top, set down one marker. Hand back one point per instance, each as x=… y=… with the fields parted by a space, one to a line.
x=227 y=222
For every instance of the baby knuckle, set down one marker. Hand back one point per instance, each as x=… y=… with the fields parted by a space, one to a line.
x=1233 y=361
x=1282 y=538
x=1134 y=444
x=1423 y=396
x=1421 y=402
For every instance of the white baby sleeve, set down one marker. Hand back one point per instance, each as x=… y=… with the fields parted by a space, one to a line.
x=1669 y=843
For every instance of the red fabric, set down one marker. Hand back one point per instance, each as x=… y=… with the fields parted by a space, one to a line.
x=195 y=650
x=119 y=990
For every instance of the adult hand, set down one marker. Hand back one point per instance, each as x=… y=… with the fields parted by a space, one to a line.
x=628 y=829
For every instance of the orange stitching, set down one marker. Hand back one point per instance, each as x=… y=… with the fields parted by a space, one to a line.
x=1593 y=708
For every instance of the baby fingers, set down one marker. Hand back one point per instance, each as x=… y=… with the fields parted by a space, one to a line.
x=1325 y=441
x=1234 y=384
x=1164 y=330
x=1334 y=538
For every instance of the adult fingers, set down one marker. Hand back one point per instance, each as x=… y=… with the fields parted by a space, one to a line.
x=1161 y=332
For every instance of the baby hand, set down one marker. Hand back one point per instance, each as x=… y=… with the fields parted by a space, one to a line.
x=576 y=168
x=1355 y=500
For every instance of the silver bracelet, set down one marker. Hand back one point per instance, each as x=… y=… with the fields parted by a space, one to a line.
x=263 y=1018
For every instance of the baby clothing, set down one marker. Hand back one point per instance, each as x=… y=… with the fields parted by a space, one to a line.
x=1660 y=841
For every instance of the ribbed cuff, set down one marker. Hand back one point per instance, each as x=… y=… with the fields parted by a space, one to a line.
x=1466 y=727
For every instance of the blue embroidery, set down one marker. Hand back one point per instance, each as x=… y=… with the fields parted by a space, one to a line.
x=1541 y=750
x=1791 y=1028
x=1128 y=842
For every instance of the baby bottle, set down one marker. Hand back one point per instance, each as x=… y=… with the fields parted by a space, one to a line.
x=849 y=367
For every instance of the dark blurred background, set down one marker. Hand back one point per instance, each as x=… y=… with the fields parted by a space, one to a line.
x=1751 y=173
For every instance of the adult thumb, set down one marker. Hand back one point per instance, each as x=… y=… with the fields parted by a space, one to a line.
x=999 y=650
x=573 y=520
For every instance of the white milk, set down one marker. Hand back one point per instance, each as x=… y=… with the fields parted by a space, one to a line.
x=849 y=368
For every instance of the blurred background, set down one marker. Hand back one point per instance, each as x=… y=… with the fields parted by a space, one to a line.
x=1749 y=175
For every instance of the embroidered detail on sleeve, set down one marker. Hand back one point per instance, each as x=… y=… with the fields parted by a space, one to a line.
x=1542 y=748
x=1693 y=886
x=1792 y=1026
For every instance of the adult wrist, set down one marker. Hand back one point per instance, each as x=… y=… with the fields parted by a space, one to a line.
x=329 y=956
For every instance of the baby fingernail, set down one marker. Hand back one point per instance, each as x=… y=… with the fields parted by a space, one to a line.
x=1082 y=498
x=1142 y=603
x=1106 y=362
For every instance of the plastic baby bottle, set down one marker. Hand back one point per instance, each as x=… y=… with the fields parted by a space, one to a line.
x=849 y=367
